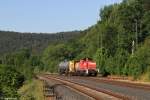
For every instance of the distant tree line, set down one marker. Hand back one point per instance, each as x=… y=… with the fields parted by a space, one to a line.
x=37 y=42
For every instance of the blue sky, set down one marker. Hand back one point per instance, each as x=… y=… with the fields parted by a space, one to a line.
x=50 y=15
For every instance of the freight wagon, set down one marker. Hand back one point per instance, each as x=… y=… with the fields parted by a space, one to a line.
x=84 y=67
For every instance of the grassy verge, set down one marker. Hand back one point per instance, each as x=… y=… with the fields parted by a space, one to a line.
x=145 y=77
x=32 y=90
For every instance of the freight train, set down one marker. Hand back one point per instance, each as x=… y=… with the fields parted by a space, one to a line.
x=83 y=67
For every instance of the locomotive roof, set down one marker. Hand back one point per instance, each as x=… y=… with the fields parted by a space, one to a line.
x=87 y=58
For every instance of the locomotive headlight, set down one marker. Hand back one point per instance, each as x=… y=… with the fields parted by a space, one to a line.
x=98 y=70
x=87 y=71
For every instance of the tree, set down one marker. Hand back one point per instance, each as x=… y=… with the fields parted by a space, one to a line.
x=10 y=81
x=100 y=58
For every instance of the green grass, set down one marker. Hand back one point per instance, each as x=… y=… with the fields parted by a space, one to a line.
x=32 y=90
x=145 y=77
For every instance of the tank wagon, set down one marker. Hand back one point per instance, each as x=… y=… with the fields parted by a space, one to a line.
x=63 y=67
x=86 y=67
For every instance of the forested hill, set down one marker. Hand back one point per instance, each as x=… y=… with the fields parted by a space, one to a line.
x=12 y=41
x=119 y=42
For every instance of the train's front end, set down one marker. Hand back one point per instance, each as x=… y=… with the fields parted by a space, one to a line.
x=88 y=67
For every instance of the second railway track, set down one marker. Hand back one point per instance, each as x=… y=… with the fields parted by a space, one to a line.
x=94 y=92
x=128 y=90
x=121 y=83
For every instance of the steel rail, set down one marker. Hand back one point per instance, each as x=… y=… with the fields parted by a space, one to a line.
x=110 y=93
x=121 y=83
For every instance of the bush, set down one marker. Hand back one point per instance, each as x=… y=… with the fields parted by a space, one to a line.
x=10 y=81
x=100 y=58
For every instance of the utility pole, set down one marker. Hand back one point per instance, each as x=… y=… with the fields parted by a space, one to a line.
x=101 y=46
x=133 y=47
x=128 y=2
x=136 y=32
x=135 y=42
x=118 y=40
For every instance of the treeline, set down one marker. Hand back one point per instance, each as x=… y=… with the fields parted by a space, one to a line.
x=13 y=41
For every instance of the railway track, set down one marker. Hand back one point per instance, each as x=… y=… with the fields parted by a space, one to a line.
x=113 y=82
x=121 y=83
x=119 y=89
x=136 y=92
x=96 y=93
x=116 y=82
